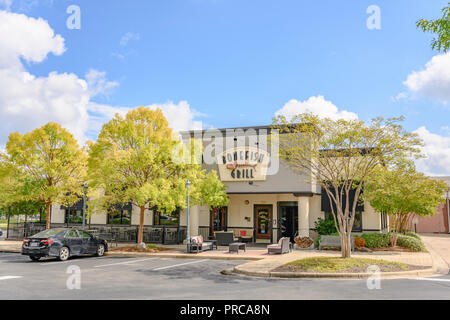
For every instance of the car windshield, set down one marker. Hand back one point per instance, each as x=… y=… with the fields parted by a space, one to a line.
x=48 y=233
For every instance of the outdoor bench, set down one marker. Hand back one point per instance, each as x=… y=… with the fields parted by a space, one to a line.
x=333 y=241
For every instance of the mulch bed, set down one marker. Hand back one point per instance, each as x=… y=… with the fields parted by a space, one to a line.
x=383 y=268
x=136 y=249
x=396 y=249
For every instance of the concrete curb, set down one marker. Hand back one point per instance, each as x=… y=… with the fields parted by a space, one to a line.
x=351 y=276
x=179 y=256
x=10 y=251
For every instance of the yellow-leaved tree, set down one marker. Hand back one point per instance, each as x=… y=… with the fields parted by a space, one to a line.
x=49 y=165
x=138 y=159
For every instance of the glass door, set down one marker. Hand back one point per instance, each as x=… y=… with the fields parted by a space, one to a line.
x=263 y=222
x=218 y=220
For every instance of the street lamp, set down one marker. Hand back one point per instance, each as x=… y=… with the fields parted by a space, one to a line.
x=84 y=205
x=188 y=236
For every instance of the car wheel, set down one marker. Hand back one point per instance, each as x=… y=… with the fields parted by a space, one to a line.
x=64 y=254
x=100 y=250
x=35 y=258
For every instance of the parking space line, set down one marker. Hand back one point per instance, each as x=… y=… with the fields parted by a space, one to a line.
x=9 y=277
x=433 y=279
x=123 y=262
x=180 y=264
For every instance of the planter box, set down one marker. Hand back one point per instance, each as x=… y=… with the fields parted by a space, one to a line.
x=311 y=247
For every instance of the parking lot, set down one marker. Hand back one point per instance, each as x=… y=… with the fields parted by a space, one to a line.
x=168 y=278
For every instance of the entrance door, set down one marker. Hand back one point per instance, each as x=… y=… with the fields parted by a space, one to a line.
x=288 y=215
x=263 y=222
x=218 y=220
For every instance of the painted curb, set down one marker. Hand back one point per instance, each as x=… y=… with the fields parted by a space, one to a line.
x=351 y=276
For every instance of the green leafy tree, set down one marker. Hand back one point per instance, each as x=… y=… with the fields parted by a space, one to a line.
x=440 y=27
x=137 y=159
x=48 y=166
x=402 y=192
x=339 y=155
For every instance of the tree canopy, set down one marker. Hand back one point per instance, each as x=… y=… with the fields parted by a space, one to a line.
x=403 y=192
x=136 y=159
x=47 y=165
x=339 y=155
x=440 y=27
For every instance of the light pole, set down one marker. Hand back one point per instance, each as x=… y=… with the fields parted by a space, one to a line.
x=188 y=236
x=84 y=205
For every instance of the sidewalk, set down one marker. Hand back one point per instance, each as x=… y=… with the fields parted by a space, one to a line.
x=439 y=247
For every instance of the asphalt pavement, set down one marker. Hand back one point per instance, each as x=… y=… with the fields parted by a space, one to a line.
x=169 y=278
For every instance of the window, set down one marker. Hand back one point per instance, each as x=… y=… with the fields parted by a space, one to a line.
x=357 y=223
x=73 y=216
x=162 y=218
x=84 y=234
x=119 y=216
x=72 y=234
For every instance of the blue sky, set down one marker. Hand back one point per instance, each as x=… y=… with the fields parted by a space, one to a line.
x=236 y=63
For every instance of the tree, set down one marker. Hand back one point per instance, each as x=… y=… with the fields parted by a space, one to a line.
x=440 y=27
x=402 y=192
x=49 y=165
x=138 y=159
x=339 y=155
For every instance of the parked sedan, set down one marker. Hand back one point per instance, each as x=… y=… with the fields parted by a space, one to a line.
x=62 y=243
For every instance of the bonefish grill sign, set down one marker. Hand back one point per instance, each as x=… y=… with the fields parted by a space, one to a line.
x=243 y=164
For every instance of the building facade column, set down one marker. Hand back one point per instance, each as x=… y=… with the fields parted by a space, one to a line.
x=303 y=216
x=194 y=219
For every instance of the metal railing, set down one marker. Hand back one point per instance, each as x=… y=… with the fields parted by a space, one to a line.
x=120 y=233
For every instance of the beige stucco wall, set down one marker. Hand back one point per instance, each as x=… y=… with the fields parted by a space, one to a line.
x=57 y=215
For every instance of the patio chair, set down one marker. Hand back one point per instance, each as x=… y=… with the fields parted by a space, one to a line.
x=245 y=236
x=283 y=246
x=198 y=244
x=224 y=238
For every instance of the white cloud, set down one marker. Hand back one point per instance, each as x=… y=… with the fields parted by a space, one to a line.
x=437 y=151
x=317 y=105
x=98 y=84
x=127 y=37
x=180 y=116
x=28 y=38
x=434 y=81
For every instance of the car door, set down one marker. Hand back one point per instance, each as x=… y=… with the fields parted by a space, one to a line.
x=74 y=242
x=89 y=245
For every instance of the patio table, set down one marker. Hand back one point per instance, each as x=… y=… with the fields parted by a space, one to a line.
x=235 y=246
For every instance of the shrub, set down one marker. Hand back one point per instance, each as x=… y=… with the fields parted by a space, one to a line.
x=410 y=242
x=359 y=242
x=324 y=226
x=412 y=234
x=376 y=240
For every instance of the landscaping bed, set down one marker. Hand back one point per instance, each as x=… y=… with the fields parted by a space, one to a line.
x=341 y=265
x=149 y=248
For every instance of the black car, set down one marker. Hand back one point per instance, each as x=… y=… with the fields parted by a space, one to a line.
x=63 y=243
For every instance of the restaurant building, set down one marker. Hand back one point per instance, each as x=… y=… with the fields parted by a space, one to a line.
x=267 y=200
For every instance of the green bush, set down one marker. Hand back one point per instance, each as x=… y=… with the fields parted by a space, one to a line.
x=376 y=240
x=412 y=234
x=324 y=226
x=410 y=242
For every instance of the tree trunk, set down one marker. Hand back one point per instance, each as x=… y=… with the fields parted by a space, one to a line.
x=141 y=225
x=49 y=208
x=346 y=247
